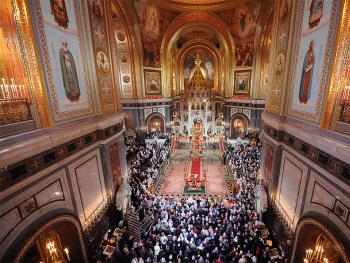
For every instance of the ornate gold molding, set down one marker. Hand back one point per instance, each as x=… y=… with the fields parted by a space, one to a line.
x=199 y=5
x=31 y=64
x=61 y=219
x=337 y=84
x=204 y=45
x=182 y=22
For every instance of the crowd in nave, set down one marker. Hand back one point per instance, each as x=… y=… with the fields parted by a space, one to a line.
x=197 y=229
x=144 y=169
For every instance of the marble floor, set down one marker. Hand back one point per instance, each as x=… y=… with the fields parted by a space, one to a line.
x=174 y=182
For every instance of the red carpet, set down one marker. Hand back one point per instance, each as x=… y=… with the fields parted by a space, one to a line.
x=221 y=145
x=173 y=143
x=196 y=167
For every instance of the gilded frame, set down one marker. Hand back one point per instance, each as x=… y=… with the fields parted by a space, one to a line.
x=242 y=82
x=153 y=82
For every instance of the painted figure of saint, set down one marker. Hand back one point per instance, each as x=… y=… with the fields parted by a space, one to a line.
x=306 y=75
x=150 y=33
x=316 y=13
x=102 y=62
x=59 y=11
x=69 y=73
x=241 y=84
x=153 y=86
x=242 y=21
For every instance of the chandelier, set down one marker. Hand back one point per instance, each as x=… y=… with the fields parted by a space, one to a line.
x=317 y=255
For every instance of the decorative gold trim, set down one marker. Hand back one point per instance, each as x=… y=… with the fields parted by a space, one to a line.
x=199 y=5
x=262 y=75
x=207 y=45
x=278 y=86
x=336 y=86
x=180 y=23
x=65 y=218
x=125 y=48
x=310 y=221
x=31 y=64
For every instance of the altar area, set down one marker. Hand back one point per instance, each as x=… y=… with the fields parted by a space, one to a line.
x=195 y=174
x=197 y=115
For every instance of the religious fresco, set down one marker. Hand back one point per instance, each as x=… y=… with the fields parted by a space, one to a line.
x=242 y=82
x=242 y=24
x=207 y=66
x=280 y=64
x=312 y=61
x=153 y=82
x=63 y=58
x=153 y=22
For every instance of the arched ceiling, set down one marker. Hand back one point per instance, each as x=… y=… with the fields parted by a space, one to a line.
x=199 y=5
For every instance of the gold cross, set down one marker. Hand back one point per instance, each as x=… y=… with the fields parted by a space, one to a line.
x=35 y=164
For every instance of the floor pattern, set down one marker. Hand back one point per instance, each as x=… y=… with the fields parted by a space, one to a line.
x=174 y=181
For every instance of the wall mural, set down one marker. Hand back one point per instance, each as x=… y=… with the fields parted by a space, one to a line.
x=63 y=58
x=313 y=57
x=153 y=22
x=242 y=82
x=153 y=82
x=207 y=66
x=242 y=24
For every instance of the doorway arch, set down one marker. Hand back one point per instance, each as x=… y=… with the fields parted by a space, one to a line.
x=62 y=233
x=310 y=233
x=155 y=123
x=239 y=126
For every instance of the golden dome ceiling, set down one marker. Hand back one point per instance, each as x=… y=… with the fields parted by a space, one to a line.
x=199 y=5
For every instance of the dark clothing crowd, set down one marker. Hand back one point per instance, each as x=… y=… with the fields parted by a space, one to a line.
x=197 y=229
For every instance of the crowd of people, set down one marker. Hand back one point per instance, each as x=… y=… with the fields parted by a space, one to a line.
x=145 y=169
x=197 y=229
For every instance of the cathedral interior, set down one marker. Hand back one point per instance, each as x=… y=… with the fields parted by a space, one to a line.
x=79 y=79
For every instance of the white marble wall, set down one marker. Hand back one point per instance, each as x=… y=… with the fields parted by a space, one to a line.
x=305 y=189
x=18 y=210
x=326 y=196
x=88 y=186
x=291 y=186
